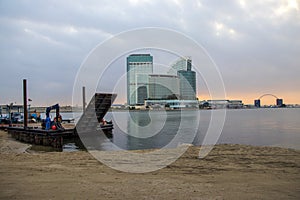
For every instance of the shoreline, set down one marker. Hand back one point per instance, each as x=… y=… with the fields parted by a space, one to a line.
x=9 y=145
x=228 y=172
x=7 y=142
x=79 y=110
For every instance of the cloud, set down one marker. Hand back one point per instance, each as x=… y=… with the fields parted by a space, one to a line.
x=254 y=43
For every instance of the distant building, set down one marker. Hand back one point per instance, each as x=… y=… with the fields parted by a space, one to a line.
x=219 y=104
x=235 y=104
x=171 y=104
x=181 y=64
x=163 y=86
x=257 y=103
x=183 y=69
x=279 y=102
x=187 y=84
x=139 y=66
x=6 y=109
x=142 y=84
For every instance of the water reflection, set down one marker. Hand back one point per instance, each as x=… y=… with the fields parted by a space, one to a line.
x=167 y=129
x=157 y=129
x=267 y=127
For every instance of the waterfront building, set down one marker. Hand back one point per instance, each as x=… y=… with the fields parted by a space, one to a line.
x=235 y=104
x=163 y=86
x=257 y=103
x=139 y=66
x=279 y=102
x=171 y=104
x=187 y=84
x=183 y=69
x=220 y=104
x=181 y=64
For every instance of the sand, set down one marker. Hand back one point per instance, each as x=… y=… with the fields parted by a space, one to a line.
x=228 y=172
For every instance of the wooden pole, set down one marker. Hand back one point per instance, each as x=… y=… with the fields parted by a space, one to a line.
x=83 y=99
x=25 y=103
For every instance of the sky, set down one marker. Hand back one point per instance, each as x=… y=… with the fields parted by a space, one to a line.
x=255 y=44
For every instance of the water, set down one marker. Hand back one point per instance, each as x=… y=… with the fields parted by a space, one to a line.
x=65 y=115
x=156 y=129
x=263 y=127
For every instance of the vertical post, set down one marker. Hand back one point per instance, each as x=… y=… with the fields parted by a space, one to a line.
x=25 y=103
x=9 y=111
x=83 y=99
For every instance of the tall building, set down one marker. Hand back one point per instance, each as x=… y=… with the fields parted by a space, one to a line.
x=183 y=69
x=279 y=102
x=187 y=84
x=163 y=86
x=139 y=66
x=181 y=64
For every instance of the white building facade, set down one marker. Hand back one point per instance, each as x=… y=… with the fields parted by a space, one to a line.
x=163 y=86
x=139 y=66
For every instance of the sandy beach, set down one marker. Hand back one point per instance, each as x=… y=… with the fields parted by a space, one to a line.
x=228 y=172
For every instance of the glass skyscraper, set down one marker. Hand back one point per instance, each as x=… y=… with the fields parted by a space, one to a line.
x=163 y=86
x=187 y=77
x=187 y=84
x=181 y=64
x=139 y=66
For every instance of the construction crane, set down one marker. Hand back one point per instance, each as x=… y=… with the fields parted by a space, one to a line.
x=56 y=123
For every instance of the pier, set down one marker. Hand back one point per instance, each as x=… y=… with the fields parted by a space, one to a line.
x=90 y=121
x=37 y=136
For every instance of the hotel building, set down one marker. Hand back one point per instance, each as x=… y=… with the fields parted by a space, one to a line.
x=139 y=66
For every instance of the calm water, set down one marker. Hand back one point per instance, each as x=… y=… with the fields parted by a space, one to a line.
x=156 y=129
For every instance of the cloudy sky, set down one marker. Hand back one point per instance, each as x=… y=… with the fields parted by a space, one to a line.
x=255 y=44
